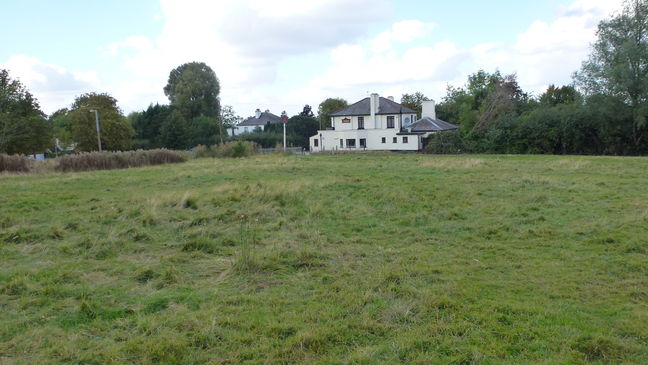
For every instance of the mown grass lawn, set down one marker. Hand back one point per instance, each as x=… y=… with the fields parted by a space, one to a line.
x=329 y=259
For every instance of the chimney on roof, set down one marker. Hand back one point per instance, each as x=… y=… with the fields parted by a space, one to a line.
x=374 y=105
x=429 y=109
x=257 y=113
x=390 y=98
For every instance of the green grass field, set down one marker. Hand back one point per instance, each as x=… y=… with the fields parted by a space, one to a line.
x=329 y=259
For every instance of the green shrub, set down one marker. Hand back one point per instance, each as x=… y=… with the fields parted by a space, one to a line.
x=227 y=149
x=445 y=143
x=117 y=160
x=203 y=151
x=235 y=149
x=14 y=163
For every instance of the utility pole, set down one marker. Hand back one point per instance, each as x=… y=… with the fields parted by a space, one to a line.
x=220 y=128
x=96 y=112
x=284 y=119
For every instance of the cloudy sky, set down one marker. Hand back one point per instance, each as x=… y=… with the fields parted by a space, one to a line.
x=282 y=54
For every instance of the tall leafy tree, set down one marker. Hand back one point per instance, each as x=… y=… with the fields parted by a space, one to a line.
x=175 y=131
x=147 y=125
x=504 y=98
x=23 y=127
x=63 y=129
x=414 y=101
x=307 y=111
x=203 y=130
x=559 y=95
x=457 y=107
x=228 y=119
x=193 y=88
x=328 y=107
x=302 y=128
x=618 y=63
x=298 y=129
x=116 y=131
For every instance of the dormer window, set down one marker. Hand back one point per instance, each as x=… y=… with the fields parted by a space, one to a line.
x=360 y=122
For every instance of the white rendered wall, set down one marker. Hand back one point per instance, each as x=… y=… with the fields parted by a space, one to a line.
x=330 y=140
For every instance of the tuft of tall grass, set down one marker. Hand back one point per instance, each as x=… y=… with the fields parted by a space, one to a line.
x=14 y=163
x=117 y=160
x=600 y=348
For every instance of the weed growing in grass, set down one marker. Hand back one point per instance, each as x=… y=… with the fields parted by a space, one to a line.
x=57 y=233
x=145 y=276
x=247 y=262
x=188 y=202
x=170 y=276
x=200 y=244
x=88 y=308
x=15 y=286
x=7 y=221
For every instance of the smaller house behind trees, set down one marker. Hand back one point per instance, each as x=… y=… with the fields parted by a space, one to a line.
x=255 y=123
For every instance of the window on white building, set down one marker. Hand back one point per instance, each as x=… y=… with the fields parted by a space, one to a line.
x=351 y=143
x=360 y=122
x=363 y=143
x=315 y=142
x=395 y=140
x=384 y=140
x=390 y=121
x=404 y=139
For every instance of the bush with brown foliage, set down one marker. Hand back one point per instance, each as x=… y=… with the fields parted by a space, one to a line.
x=14 y=163
x=117 y=160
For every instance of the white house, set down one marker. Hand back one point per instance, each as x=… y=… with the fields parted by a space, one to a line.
x=256 y=122
x=377 y=123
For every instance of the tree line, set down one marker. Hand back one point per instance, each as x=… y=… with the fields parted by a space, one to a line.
x=193 y=117
x=604 y=110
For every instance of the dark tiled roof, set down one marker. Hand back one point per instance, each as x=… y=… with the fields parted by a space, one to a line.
x=264 y=119
x=363 y=107
x=428 y=124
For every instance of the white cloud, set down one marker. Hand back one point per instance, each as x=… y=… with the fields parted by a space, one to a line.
x=53 y=86
x=548 y=52
x=242 y=40
x=545 y=53
x=403 y=31
x=245 y=41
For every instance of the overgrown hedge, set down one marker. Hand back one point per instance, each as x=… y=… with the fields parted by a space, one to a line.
x=117 y=160
x=14 y=163
x=445 y=143
x=228 y=149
